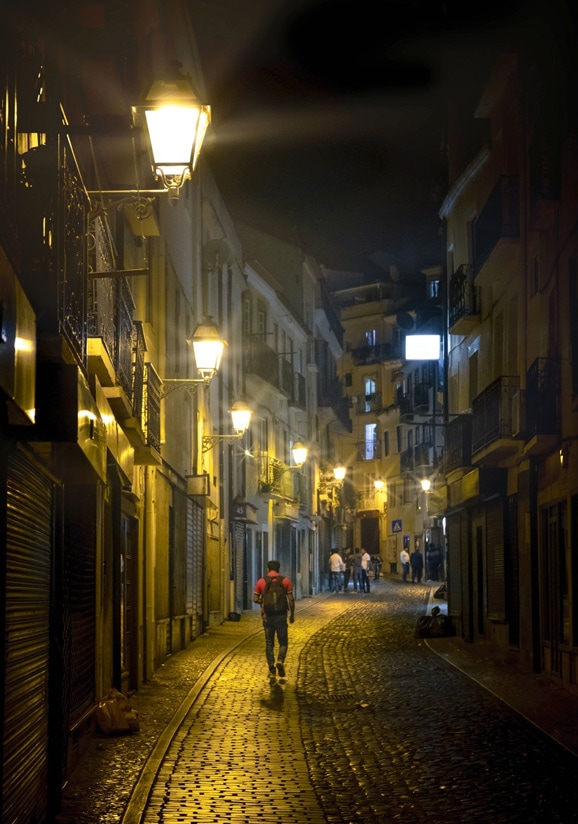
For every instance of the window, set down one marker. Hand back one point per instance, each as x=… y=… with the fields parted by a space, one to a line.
x=246 y=320
x=370 y=441
x=261 y=320
x=386 y=444
x=370 y=337
x=369 y=392
x=434 y=289
x=348 y=379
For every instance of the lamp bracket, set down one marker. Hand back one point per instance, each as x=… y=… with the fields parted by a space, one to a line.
x=191 y=384
x=209 y=441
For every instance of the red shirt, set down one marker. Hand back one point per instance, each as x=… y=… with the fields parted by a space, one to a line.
x=260 y=585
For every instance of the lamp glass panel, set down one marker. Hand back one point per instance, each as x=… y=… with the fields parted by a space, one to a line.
x=172 y=131
x=339 y=473
x=208 y=354
x=241 y=416
x=299 y=453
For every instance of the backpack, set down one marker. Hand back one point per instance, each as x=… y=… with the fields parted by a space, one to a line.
x=275 y=596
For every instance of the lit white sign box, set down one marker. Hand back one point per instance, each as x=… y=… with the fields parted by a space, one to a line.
x=422 y=347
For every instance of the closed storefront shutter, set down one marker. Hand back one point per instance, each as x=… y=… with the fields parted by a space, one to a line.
x=29 y=532
x=79 y=583
x=495 y=560
x=195 y=577
x=454 y=563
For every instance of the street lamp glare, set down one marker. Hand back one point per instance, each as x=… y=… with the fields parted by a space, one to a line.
x=241 y=416
x=299 y=453
x=339 y=473
x=176 y=123
x=208 y=347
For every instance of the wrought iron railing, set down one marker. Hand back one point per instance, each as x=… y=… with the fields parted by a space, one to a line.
x=463 y=294
x=542 y=407
x=458 y=443
x=492 y=412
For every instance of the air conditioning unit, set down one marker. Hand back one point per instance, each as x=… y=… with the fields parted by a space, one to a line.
x=519 y=413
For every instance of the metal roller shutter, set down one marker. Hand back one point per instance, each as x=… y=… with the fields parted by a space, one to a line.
x=195 y=601
x=495 y=560
x=28 y=585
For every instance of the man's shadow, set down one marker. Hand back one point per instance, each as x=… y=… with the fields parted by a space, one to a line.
x=275 y=699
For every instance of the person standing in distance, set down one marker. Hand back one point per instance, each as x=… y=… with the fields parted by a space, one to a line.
x=274 y=593
x=404 y=558
x=365 y=568
x=336 y=568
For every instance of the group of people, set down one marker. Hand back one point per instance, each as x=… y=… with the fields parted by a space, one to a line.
x=415 y=563
x=354 y=565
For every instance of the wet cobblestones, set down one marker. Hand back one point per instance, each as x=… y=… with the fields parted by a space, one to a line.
x=369 y=725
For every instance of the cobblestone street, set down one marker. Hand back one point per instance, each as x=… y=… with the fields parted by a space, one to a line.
x=369 y=725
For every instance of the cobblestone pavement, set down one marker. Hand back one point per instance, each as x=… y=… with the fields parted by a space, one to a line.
x=369 y=725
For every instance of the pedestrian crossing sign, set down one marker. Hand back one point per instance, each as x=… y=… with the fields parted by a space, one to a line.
x=396 y=525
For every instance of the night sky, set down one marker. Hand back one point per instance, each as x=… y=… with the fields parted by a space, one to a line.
x=329 y=115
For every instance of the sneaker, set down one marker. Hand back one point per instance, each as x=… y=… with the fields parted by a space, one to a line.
x=272 y=670
x=281 y=669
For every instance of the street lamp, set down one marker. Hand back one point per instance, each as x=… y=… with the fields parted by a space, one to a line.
x=241 y=418
x=339 y=473
x=176 y=122
x=208 y=347
x=378 y=484
x=299 y=452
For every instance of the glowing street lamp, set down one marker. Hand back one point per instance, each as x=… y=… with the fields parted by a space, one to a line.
x=208 y=347
x=176 y=122
x=299 y=453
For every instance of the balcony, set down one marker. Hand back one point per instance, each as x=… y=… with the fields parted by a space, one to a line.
x=369 y=404
x=458 y=443
x=275 y=479
x=299 y=395
x=496 y=422
x=332 y=403
x=406 y=460
x=416 y=403
x=497 y=232
x=369 y=450
x=262 y=361
x=542 y=407
x=464 y=301
x=367 y=355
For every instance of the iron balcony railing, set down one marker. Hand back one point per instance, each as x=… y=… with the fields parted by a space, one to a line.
x=463 y=294
x=458 y=443
x=369 y=404
x=492 y=412
x=543 y=388
x=365 y=355
x=275 y=477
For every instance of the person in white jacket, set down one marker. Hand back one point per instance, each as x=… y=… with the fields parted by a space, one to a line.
x=404 y=558
x=336 y=567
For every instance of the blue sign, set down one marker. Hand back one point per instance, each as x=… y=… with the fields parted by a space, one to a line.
x=396 y=525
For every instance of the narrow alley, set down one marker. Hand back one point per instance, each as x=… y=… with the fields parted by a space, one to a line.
x=369 y=725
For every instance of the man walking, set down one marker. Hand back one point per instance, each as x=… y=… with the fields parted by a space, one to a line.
x=275 y=594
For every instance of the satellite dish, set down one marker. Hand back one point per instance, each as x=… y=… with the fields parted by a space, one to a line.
x=216 y=253
x=405 y=320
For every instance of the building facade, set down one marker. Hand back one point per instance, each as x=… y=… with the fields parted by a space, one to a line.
x=511 y=216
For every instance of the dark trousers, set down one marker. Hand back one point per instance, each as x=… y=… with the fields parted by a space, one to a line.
x=364 y=580
x=275 y=625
